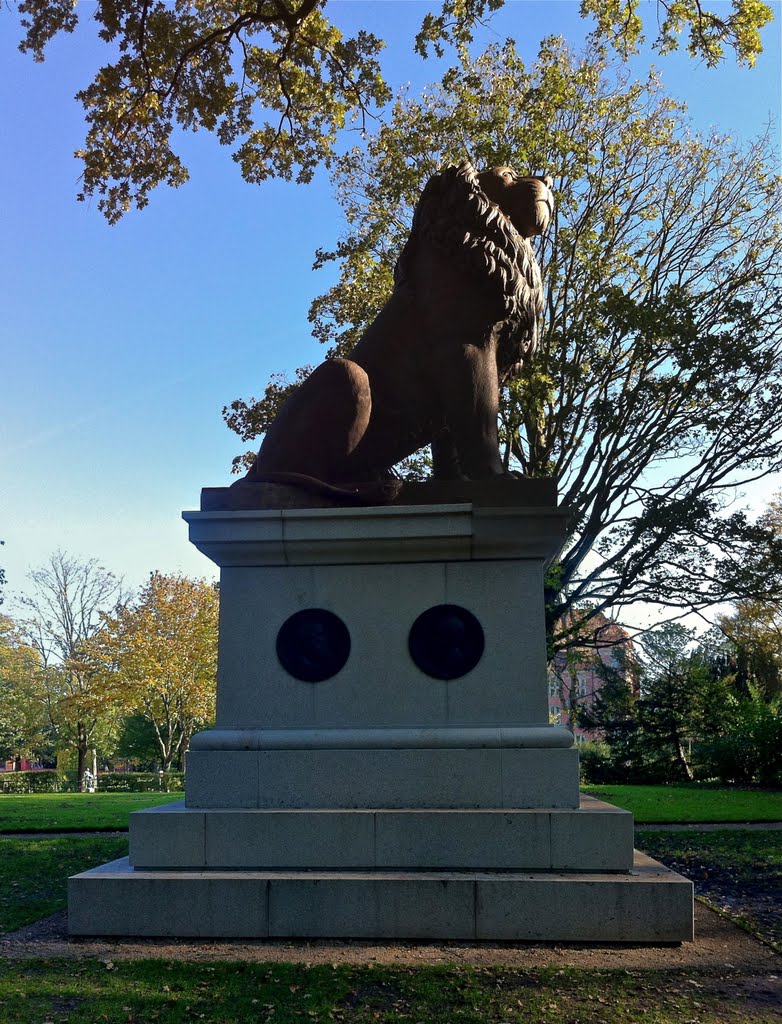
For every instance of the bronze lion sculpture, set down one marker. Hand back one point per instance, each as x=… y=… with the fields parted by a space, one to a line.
x=460 y=321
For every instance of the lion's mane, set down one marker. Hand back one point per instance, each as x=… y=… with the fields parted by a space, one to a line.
x=455 y=216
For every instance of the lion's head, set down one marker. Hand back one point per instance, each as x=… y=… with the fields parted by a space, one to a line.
x=480 y=224
x=528 y=202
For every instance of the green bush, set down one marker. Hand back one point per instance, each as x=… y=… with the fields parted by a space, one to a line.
x=43 y=781
x=51 y=781
x=140 y=782
x=751 y=750
x=595 y=763
x=601 y=764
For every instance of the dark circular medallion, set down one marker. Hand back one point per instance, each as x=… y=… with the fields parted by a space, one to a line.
x=313 y=644
x=446 y=641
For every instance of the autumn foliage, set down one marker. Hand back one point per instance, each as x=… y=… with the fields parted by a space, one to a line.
x=159 y=654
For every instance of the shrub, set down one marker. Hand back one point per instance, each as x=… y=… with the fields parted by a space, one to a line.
x=595 y=763
x=140 y=782
x=43 y=781
x=751 y=749
x=57 y=781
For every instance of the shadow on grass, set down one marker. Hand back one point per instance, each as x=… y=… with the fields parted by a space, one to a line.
x=34 y=873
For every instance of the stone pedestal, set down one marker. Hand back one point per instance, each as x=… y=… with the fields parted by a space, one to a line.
x=382 y=765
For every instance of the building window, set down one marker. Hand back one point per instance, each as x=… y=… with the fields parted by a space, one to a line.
x=582 y=683
x=553 y=687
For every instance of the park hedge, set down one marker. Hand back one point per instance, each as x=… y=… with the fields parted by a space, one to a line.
x=59 y=781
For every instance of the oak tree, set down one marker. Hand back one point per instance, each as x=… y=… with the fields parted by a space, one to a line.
x=277 y=80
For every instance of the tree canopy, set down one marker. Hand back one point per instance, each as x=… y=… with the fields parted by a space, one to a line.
x=22 y=720
x=754 y=629
x=657 y=385
x=160 y=655
x=62 y=617
x=277 y=80
x=693 y=717
x=92 y=667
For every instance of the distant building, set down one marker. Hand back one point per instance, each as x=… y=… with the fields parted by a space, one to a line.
x=577 y=675
x=18 y=764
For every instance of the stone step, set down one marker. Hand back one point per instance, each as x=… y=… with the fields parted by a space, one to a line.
x=598 y=837
x=651 y=904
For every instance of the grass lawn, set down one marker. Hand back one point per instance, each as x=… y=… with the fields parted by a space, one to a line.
x=746 y=855
x=739 y=872
x=33 y=873
x=166 y=992
x=74 y=812
x=108 y=812
x=659 y=804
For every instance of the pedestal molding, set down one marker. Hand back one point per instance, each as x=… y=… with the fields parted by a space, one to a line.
x=383 y=738
x=386 y=534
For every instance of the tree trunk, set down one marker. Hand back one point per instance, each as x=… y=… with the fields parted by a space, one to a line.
x=166 y=754
x=81 y=753
x=161 y=743
x=185 y=745
x=164 y=732
x=678 y=747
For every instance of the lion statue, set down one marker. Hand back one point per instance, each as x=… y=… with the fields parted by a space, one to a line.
x=459 y=323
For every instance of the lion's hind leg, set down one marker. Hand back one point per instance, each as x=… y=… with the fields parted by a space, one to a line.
x=320 y=425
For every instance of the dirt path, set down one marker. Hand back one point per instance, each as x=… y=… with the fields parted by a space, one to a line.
x=720 y=948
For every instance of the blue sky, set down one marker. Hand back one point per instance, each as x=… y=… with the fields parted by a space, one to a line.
x=120 y=345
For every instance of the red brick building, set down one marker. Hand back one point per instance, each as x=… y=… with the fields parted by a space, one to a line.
x=577 y=675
